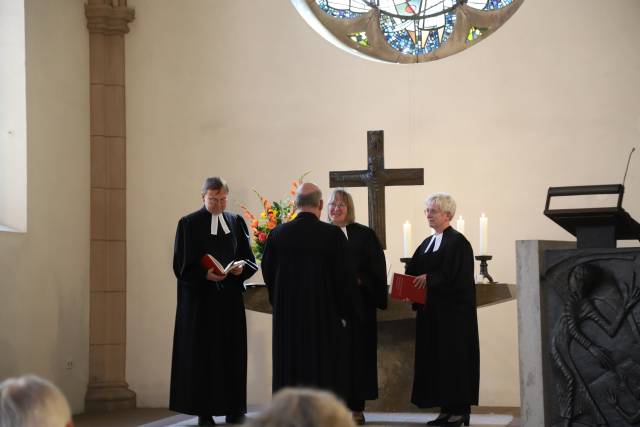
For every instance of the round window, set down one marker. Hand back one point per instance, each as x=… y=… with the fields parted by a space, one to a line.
x=405 y=31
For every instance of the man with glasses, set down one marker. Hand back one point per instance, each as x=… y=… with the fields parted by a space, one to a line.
x=209 y=366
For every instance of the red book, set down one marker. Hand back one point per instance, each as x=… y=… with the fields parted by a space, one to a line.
x=402 y=288
x=209 y=261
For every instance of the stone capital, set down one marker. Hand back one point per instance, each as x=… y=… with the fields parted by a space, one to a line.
x=108 y=19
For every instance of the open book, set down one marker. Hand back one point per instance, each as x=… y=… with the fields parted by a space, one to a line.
x=208 y=261
x=402 y=288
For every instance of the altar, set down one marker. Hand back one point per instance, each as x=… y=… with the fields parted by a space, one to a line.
x=396 y=324
x=396 y=339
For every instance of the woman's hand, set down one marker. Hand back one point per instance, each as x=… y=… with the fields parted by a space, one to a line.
x=420 y=281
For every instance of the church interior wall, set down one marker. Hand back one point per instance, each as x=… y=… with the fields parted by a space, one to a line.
x=253 y=94
x=44 y=272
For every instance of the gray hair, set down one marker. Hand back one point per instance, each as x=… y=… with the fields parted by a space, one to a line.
x=345 y=196
x=310 y=200
x=444 y=201
x=214 y=183
x=303 y=407
x=32 y=401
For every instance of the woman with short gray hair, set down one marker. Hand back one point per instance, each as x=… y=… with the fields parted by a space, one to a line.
x=447 y=354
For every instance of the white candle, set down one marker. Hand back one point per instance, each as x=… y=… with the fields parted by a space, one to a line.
x=460 y=224
x=484 y=234
x=406 y=242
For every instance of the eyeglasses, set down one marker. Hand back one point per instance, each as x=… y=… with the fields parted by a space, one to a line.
x=337 y=205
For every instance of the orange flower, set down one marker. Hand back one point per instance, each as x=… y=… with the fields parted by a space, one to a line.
x=247 y=214
x=254 y=223
x=266 y=203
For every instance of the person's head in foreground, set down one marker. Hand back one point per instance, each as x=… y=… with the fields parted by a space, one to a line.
x=30 y=401
x=303 y=407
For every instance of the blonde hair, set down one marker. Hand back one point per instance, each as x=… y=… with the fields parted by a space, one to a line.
x=345 y=196
x=304 y=407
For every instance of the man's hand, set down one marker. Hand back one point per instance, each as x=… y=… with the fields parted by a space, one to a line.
x=236 y=271
x=420 y=281
x=214 y=277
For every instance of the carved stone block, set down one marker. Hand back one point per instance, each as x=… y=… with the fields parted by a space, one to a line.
x=590 y=317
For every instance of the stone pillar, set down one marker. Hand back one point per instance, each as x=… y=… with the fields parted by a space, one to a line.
x=530 y=265
x=107 y=21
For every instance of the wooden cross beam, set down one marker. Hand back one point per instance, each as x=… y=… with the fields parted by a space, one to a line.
x=376 y=178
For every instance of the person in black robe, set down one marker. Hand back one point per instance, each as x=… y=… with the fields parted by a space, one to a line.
x=447 y=355
x=305 y=269
x=369 y=266
x=209 y=364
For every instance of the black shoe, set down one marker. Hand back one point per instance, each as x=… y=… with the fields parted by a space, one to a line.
x=206 y=421
x=464 y=419
x=440 y=421
x=235 y=419
x=358 y=418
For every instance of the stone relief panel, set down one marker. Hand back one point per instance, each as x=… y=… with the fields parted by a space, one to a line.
x=591 y=338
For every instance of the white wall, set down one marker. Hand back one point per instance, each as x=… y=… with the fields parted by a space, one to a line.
x=253 y=94
x=44 y=273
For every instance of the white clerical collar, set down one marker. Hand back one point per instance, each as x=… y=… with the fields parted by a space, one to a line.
x=215 y=219
x=436 y=240
x=344 y=230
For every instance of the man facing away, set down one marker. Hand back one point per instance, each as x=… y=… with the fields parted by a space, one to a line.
x=305 y=269
x=30 y=401
x=209 y=366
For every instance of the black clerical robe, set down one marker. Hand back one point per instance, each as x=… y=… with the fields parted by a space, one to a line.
x=368 y=263
x=305 y=269
x=209 y=365
x=447 y=355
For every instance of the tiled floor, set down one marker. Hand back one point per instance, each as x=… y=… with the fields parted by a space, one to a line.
x=166 y=418
x=373 y=419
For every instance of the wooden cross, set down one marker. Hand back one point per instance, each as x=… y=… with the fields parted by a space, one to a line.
x=376 y=178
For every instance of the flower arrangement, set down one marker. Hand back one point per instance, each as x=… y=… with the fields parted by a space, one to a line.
x=272 y=214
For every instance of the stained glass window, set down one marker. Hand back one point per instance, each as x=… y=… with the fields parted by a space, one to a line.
x=360 y=38
x=488 y=5
x=408 y=30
